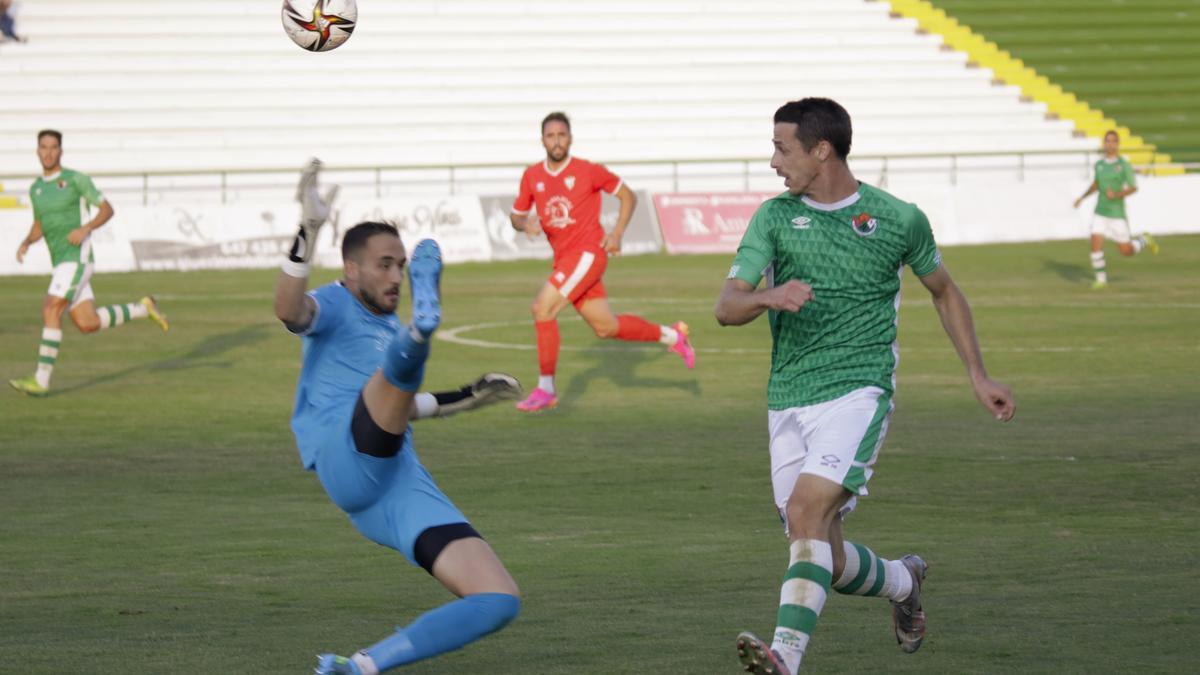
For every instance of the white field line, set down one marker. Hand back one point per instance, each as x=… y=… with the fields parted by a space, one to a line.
x=457 y=336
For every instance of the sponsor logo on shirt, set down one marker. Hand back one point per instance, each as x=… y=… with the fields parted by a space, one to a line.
x=569 y=181
x=864 y=225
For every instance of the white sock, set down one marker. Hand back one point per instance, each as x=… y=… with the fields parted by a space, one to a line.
x=426 y=405
x=365 y=663
x=805 y=588
x=116 y=315
x=1138 y=244
x=669 y=336
x=1098 y=266
x=47 y=355
x=546 y=383
x=860 y=576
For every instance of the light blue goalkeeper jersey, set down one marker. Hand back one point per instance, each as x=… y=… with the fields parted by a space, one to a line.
x=342 y=348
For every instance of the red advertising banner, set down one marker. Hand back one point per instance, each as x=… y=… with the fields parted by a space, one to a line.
x=706 y=222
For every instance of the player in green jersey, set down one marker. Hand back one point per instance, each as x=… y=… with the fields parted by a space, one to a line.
x=56 y=216
x=1114 y=182
x=831 y=250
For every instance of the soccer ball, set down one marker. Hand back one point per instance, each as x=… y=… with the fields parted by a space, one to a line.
x=319 y=25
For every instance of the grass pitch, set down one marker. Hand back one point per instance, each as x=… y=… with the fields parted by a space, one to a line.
x=155 y=518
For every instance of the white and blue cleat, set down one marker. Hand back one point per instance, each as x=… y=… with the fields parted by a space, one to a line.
x=424 y=280
x=332 y=664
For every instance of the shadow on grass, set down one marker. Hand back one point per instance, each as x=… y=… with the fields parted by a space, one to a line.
x=201 y=356
x=1075 y=274
x=620 y=367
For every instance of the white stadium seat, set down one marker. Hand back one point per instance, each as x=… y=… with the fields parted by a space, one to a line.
x=185 y=86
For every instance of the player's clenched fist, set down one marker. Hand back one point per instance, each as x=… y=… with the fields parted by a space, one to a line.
x=790 y=296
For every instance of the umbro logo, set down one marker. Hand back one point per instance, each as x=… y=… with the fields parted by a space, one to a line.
x=801 y=223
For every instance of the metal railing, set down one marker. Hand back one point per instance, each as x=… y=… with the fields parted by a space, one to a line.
x=733 y=173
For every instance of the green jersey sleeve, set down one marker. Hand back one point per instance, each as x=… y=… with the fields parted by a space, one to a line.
x=87 y=189
x=1130 y=177
x=33 y=201
x=922 y=254
x=756 y=251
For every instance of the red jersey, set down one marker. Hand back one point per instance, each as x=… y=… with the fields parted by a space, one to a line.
x=568 y=202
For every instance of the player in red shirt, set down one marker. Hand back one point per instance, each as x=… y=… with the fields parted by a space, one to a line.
x=566 y=191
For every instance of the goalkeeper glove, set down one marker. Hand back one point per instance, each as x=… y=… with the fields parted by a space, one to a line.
x=314 y=212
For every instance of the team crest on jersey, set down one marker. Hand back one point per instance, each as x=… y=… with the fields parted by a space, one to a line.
x=62 y=185
x=558 y=212
x=864 y=225
x=569 y=181
x=540 y=187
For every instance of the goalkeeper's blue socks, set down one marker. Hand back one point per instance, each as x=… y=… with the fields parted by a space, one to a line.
x=449 y=627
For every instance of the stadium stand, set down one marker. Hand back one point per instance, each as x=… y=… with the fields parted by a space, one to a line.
x=1135 y=61
x=217 y=85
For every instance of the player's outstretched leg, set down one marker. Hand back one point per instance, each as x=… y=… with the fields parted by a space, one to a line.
x=865 y=573
x=447 y=628
x=424 y=279
x=675 y=337
x=757 y=657
x=404 y=366
x=488 y=601
x=908 y=617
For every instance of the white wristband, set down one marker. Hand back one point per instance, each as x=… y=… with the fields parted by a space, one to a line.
x=426 y=405
x=295 y=269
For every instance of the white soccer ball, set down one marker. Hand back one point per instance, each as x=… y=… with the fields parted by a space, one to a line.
x=319 y=25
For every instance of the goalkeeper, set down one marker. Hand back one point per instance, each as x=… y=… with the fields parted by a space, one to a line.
x=355 y=398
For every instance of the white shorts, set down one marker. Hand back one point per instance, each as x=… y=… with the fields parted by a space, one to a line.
x=73 y=282
x=1113 y=229
x=838 y=440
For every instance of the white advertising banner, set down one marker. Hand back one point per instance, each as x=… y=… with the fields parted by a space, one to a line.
x=246 y=235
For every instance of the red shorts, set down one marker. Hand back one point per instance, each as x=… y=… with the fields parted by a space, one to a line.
x=577 y=275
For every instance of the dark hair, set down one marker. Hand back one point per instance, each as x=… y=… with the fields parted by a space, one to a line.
x=816 y=120
x=356 y=237
x=50 y=132
x=1112 y=132
x=556 y=117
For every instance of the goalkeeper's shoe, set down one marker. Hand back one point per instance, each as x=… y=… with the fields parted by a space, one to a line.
x=757 y=656
x=488 y=389
x=424 y=280
x=29 y=386
x=1151 y=244
x=332 y=664
x=153 y=314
